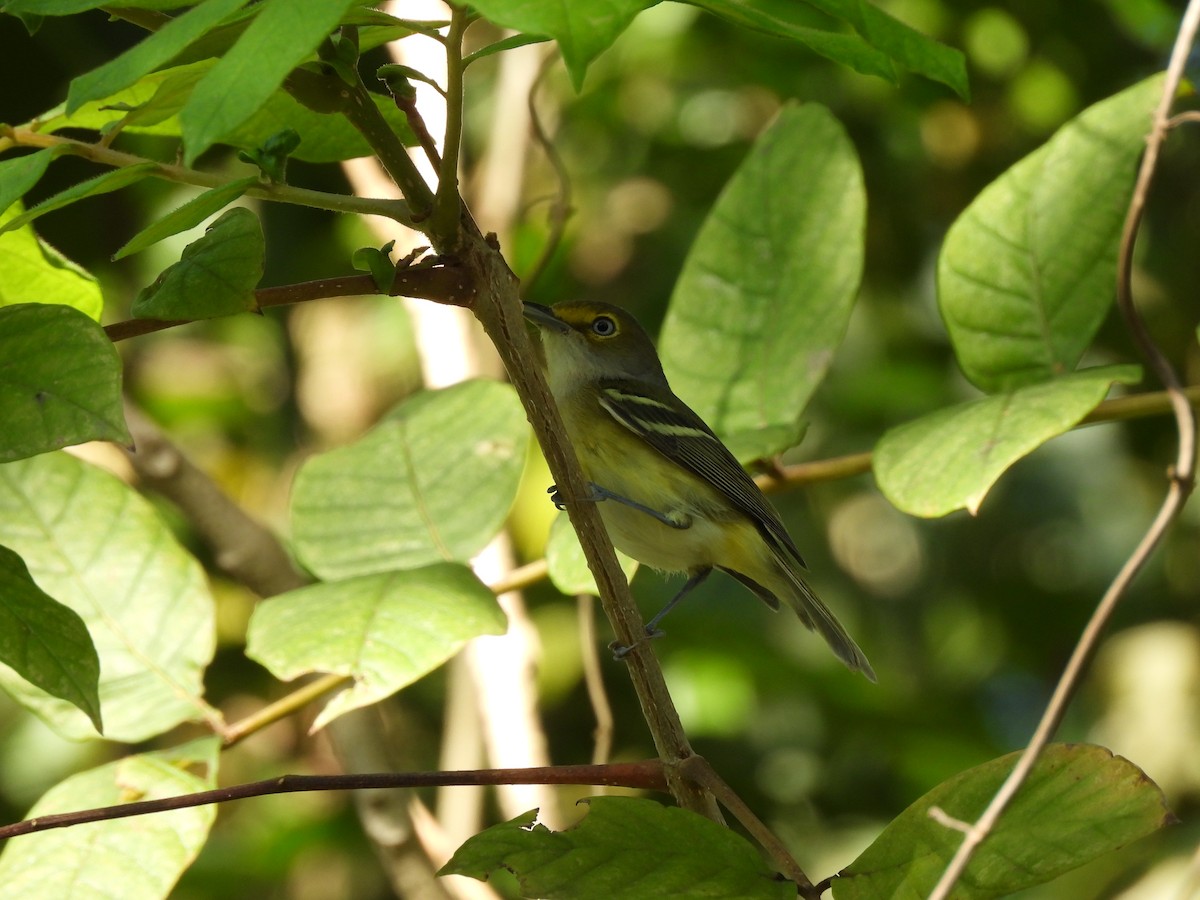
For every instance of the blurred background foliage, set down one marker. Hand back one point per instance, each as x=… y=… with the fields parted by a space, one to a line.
x=968 y=621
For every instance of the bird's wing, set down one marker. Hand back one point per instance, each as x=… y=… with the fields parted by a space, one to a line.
x=680 y=435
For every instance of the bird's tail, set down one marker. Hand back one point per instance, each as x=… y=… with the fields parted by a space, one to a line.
x=817 y=616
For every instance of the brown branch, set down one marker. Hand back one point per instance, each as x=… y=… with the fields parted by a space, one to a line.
x=442 y=284
x=646 y=775
x=1179 y=487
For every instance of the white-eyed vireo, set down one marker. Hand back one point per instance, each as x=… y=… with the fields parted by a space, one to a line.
x=680 y=502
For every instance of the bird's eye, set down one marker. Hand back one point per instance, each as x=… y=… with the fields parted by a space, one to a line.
x=604 y=326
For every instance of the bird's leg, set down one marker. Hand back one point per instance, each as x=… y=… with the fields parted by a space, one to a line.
x=597 y=494
x=620 y=651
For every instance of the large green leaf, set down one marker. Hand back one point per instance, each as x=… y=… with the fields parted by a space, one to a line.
x=950 y=459
x=385 y=631
x=155 y=50
x=45 y=642
x=1027 y=272
x=137 y=858
x=1079 y=803
x=282 y=35
x=583 y=28
x=19 y=174
x=60 y=381
x=93 y=544
x=215 y=276
x=624 y=847
x=766 y=292
x=432 y=481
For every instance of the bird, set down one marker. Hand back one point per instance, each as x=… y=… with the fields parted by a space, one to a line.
x=670 y=493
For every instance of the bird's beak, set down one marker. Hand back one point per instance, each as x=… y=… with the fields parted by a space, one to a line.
x=544 y=317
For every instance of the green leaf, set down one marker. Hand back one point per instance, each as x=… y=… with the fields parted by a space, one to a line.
x=70 y=7
x=583 y=28
x=568 y=567
x=101 y=184
x=21 y=173
x=509 y=43
x=136 y=858
x=159 y=48
x=766 y=292
x=45 y=642
x=32 y=271
x=788 y=19
x=1027 y=272
x=385 y=631
x=1079 y=803
x=216 y=275
x=950 y=459
x=911 y=50
x=432 y=481
x=96 y=546
x=282 y=35
x=624 y=847
x=60 y=381
x=187 y=216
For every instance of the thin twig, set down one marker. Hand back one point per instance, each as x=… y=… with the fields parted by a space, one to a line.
x=447 y=202
x=645 y=775
x=560 y=207
x=593 y=678
x=1179 y=487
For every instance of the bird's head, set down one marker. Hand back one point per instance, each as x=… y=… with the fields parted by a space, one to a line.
x=586 y=340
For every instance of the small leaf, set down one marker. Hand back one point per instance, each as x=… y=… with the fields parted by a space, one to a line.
x=568 y=566
x=385 y=631
x=753 y=321
x=272 y=156
x=1079 y=803
x=187 y=216
x=91 y=542
x=509 y=43
x=136 y=858
x=377 y=261
x=34 y=272
x=950 y=459
x=583 y=28
x=432 y=481
x=60 y=381
x=155 y=50
x=279 y=38
x=101 y=184
x=623 y=847
x=45 y=642
x=1026 y=274
x=216 y=275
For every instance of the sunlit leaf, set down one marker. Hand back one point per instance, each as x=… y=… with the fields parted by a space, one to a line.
x=432 y=481
x=950 y=459
x=754 y=322
x=1027 y=272
x=216 y=275
x=623 y=847
x=279 y=38
x=143 y=597
x=137 y=858
x=1080 y=803
x=384 y=631
x=34 y=272
x=60 y=381
x=45 y=642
